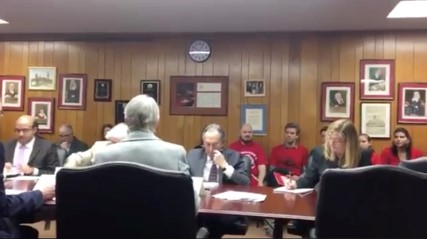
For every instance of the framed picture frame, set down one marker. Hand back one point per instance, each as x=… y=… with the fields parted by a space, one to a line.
x=119 y=109
x=254 y=88
x=72 y=91
x=375 y=119
x=42 y=109
x=12 y=92
x=41 y=78
x=199 y=95
x=337 y=101
x=102 y=90
x=377 y=79
x=411 y=106
x=256 y=116
x=151 y=88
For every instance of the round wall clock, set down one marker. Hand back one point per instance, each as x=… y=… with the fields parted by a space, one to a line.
x=199 y=51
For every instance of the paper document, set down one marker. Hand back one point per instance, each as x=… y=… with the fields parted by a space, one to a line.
x=45 y=180
x=296 y=191
x=198 y=186
x=23 y=178
x=210 y=185
x=240 y=196
x=14 y=191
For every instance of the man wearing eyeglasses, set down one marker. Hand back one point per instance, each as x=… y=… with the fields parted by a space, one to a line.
x=69 y=142
x=28 y=154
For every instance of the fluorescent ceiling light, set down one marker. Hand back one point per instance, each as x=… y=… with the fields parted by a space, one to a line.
x=409 y=9
x=3 y=21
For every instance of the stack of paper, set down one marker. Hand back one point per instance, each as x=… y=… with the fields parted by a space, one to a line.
x=45 y=180
x=13 y=191
x=296 y=191
x=241 y=196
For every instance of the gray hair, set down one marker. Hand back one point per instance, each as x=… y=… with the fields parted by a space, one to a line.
x=68 y=127
x=214 y=128
x=142 y=113
x=119 y=131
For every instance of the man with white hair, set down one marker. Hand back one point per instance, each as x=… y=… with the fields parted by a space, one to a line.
x=142 y=146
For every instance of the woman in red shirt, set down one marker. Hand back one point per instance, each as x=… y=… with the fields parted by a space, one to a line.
x=401 y=148
x=365 y=143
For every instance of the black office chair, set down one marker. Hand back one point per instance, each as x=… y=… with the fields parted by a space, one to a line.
x=125 y=200
x=378 y=201
x=419 y=164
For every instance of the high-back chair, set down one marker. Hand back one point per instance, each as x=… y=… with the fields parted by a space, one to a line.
x=124 y=200
x=378 y=201
x=419 y=164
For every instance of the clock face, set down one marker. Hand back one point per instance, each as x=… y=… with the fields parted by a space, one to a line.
x=199 y=51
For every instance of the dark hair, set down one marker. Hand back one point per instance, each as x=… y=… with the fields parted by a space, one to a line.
x=293 y=126
x=323 y=129
x=103 y=128
x=408 y=147
x=367 y=136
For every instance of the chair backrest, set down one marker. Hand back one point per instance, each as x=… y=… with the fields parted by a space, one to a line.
x=124 y=200
x=419 y=164
x=61 y=155
x=372 y=202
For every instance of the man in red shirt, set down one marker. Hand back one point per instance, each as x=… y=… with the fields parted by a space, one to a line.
x=288 y=158
x=254 y=151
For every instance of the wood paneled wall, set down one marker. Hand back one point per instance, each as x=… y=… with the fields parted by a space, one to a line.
x=293 y=66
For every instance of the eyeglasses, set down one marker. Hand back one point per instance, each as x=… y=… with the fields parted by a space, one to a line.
x=24 y=130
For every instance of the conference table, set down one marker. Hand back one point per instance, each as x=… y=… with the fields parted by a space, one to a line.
x=281 y=207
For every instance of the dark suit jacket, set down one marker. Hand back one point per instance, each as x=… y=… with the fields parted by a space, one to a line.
x=14 y=207
x=44 y=155
x=197 y=160
x=76 y=146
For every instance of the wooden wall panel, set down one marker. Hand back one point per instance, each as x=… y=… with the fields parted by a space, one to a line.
x=292 y=65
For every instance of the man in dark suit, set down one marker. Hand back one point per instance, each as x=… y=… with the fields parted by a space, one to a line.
x=69 y=142
x=225 y=166
x=29 y=154
x=13 y=208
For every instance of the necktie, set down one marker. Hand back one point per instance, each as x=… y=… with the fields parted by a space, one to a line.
x=20 y=157
x=213 y=174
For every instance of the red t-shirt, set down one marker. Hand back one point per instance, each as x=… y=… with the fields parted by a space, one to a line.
x=253 y=151
x=387 y=156
x=375 y=158
x=291 y=158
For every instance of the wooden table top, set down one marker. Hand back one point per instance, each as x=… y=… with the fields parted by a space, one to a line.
x=276 y=205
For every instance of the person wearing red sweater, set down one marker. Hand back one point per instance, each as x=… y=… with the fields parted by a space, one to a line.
x=365 y=143
x=246 y=146
x=401 y=148
x=289 y=158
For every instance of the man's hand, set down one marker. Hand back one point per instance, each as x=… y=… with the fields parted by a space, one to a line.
x=218 y=159
x=8 y=167
x=290 y=183
x=27 y=169
x=64 y=145
x=48 y=193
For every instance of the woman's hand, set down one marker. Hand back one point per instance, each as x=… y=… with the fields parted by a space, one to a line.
x=290 y=183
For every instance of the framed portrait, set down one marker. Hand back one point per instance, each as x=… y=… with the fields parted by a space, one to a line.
x=12 y=92
x=151 y=88
x=42 y=109
x=119 y=110
x=41 y=78
x=254 y=88
x=103 y=89
x=375 y=119
x=256 y=116
x=377 y=79
x=337 y=101
x=199 y=95
x=72 y=91
x=412 y=103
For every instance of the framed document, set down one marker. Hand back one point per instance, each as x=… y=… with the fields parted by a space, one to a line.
x=256 y=116
x=199 y=95
x=375 y=119
x=151 y=88
x=102 y=90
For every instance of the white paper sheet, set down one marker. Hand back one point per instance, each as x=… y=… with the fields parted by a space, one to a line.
x=44 y=181
x=296 y=191
x=13 y=191
x=240 y=196
x=23 y=178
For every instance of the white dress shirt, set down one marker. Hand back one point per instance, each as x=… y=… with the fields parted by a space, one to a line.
x=27 y=153
x=229 y=170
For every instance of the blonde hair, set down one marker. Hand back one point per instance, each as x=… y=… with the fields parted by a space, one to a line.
x=346 y=129
x=119 y=131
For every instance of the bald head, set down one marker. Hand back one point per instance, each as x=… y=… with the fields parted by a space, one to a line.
x=246 y=133
x=25 y=129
